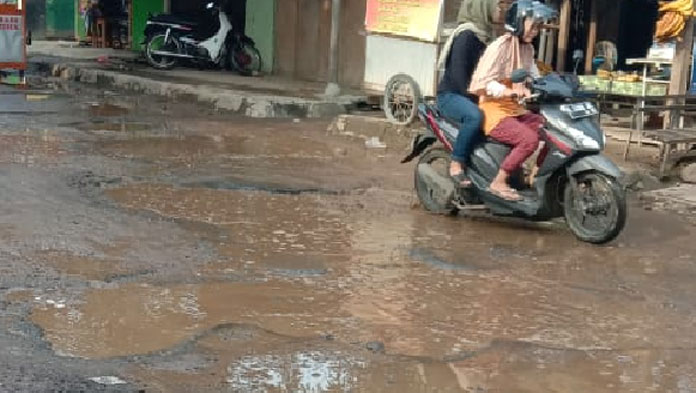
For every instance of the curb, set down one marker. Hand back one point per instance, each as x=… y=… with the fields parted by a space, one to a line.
x=235 y=101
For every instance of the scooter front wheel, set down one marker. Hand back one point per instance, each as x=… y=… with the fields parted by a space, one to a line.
x=433 y=184
x=160 y=43
x=595 y=208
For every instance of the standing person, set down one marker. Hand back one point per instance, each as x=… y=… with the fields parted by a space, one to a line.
x=505 y=119
x=460 y=55
x=91 y=13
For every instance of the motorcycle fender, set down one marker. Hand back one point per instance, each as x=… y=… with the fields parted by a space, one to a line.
x=419 y=144
x=596 y=162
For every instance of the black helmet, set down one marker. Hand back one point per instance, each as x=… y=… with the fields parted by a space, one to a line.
x=522 y=9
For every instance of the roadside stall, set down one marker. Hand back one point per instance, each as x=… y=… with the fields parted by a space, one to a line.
x=402 y=48
x=13 y=53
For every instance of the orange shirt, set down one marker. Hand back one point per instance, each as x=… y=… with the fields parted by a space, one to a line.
x=496 y=109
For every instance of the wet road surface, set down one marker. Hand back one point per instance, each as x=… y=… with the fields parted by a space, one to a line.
x=179 y=251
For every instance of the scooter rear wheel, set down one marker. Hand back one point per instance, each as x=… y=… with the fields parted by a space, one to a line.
x=596 y=199
x=158 y=42
x=246 y=59
x=431 y=197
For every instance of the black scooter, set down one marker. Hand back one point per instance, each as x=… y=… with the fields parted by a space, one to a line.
x=575 y=180
x=211 y=41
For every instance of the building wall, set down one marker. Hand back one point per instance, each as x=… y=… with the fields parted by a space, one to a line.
x=260 y=26
x=303 y=39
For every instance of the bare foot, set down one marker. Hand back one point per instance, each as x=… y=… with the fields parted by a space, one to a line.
x=506 y=193
x=500 y=189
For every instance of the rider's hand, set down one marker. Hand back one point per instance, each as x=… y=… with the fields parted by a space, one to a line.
x=522 y=92
x=510 y=93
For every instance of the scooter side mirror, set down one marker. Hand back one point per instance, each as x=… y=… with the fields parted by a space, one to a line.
x=519 y=76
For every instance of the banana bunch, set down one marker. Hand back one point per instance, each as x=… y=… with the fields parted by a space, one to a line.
x=673 y=20
x=682 y=6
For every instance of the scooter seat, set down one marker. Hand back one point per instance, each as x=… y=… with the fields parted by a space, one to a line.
x=173 y=19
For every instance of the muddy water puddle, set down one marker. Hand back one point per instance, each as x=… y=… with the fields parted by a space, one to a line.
x=141 y=319
x=105 y=109
x=172 y=148
x=270 y=365
x=288 y=234
x=122 y=126
x=520 y=314
x=32 y=148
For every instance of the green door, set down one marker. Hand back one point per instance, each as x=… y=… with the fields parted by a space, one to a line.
x=141 y=9
x=60 y=18
x=260 y=26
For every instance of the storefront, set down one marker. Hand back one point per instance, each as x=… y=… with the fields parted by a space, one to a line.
x=133 y=16
x=621 y=55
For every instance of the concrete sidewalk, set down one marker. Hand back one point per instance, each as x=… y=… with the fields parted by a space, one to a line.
x=262 y=97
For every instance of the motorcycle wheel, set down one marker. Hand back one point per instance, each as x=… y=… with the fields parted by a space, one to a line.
x=439 y=159
x=156 y=43
x=246 y=59
x=401 y=98
x=596 y=210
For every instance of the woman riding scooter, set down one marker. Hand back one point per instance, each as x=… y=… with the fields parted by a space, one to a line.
x=460 y=55
x=506 y=120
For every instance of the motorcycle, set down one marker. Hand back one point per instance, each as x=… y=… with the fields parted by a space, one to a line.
x=575 y=180
x=169 y=39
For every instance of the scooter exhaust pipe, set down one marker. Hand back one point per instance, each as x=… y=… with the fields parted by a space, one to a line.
x=172 y=54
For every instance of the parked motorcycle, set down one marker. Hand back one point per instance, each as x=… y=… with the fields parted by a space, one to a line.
x=574 y=181
x=170 y=39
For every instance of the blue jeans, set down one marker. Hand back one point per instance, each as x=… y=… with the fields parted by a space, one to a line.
x=461 y=109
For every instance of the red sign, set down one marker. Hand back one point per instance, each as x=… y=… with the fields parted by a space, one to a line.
x=11 y=23
x=410 y=18
x=13 y=52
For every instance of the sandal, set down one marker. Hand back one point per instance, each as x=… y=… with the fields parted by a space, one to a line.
x=508 y=195
x=461 y=179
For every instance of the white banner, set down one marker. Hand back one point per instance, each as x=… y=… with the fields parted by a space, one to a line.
x=11 y=39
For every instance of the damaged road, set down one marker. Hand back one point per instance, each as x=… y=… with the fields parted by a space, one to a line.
x=152 y=246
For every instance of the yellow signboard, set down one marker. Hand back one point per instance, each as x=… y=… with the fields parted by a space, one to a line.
x=410 y=18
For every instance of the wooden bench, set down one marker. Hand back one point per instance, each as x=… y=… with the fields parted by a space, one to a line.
x=675 y=144
x=672 y=131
